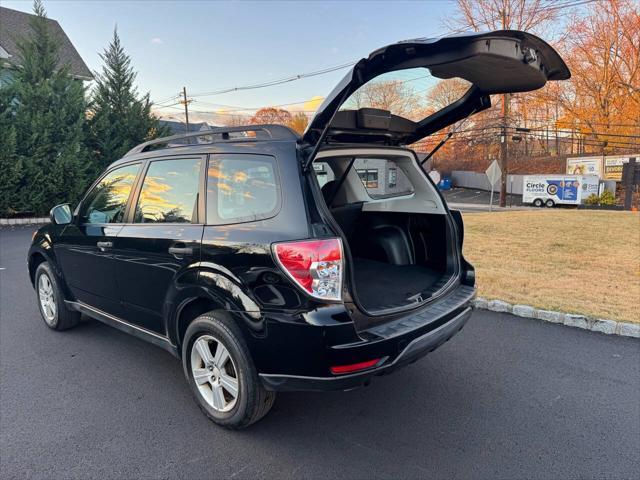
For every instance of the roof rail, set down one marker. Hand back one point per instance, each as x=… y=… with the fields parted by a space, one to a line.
x=274 y=132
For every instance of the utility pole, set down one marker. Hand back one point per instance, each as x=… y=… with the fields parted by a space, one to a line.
x=557 y=139
x=185 y=102
x=504 y=137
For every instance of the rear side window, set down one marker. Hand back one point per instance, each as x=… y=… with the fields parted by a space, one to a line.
x=241 y=188
x=382 y=178
x=107 y=201
x=169 y=193
x=324 y=173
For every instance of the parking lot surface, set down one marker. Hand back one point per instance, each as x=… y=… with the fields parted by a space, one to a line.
x=506 y=398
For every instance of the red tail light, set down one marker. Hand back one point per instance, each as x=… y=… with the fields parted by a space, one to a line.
x=315 y=265
x=354 y=367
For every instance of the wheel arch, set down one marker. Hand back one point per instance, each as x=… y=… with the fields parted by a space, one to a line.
x=39 y=253
x=187 y=312
x=211 y=287
x=35 y=259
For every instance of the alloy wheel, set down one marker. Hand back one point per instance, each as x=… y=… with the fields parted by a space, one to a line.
x=215 y=373
x=47 y=299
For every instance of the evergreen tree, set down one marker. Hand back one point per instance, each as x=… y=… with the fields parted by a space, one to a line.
x=47 y=108
x=10 y=165
x=120 y=119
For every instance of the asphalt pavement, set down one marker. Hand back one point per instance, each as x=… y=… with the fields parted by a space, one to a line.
x=506 y=398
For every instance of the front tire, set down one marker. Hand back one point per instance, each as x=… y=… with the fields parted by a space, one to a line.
x=221 y=374
x=537 y=202
x=54 y=312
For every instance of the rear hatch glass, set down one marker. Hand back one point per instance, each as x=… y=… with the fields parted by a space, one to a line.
x=414 y=93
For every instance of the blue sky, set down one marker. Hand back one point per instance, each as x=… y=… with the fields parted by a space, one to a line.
x=210 y=45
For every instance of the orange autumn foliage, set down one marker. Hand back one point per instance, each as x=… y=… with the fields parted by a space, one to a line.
x=603 y=53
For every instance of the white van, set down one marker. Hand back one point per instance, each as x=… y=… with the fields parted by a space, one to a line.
x=552 y=190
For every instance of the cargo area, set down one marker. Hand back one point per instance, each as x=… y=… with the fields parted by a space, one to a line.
x=401 y=256
x=398 y=259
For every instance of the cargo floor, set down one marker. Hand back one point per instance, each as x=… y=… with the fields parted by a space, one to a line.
x=381 y=285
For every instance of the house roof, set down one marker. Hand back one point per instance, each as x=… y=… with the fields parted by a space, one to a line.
x=15 y=25
x=178 y=128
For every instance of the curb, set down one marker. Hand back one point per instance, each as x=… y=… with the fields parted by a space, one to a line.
x=609 y=327
x=23 y=221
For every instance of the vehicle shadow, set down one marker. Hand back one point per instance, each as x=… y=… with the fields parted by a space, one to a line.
x=426 y=414
x=431 y=411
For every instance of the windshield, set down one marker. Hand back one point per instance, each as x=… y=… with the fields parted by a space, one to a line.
x=413 y=93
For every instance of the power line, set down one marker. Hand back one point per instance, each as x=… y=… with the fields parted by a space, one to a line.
x=232 y=108
x=167 y=99
x=600 y=134
x=279 y=81
x=323 y=71
x=567 y=5
x=578 y=123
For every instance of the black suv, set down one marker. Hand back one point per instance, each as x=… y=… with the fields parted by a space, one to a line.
x=269 y=261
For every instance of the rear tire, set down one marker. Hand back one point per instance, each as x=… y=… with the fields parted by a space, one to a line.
x=538 y=203
x=550 y=203
x=221 y=373
x=53 y=310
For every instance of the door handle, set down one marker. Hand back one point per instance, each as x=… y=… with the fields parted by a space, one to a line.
x=180 y=251
x=102 y=245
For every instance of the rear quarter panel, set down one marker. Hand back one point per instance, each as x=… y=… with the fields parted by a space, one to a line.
x=237 y=265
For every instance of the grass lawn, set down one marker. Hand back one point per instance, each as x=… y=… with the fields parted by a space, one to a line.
x=575 y=261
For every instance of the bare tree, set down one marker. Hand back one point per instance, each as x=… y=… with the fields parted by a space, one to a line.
x=445 y=92
x=272 y=115
x=393 y=95
x=528 y=15
x=234 y=120
x=299 y=122
x=536 y=16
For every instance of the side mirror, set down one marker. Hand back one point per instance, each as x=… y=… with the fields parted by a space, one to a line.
x=61 y=214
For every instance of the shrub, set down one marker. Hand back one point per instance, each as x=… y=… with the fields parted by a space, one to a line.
x=592 y=199
x=607 y=198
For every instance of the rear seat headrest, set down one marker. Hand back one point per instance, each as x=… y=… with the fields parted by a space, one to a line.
x=328 y=190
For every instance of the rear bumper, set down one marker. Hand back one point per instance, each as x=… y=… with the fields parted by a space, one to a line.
x=414 y=349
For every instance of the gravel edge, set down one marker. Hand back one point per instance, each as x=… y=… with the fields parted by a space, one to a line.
x=601 y=325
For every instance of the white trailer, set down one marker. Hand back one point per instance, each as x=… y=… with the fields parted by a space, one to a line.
x=552 y=190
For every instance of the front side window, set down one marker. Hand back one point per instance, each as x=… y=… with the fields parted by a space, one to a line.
x=241 y=188
x=107 y=202
x=169 y=193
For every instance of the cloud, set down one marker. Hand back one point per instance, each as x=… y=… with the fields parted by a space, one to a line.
x=157 y=41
